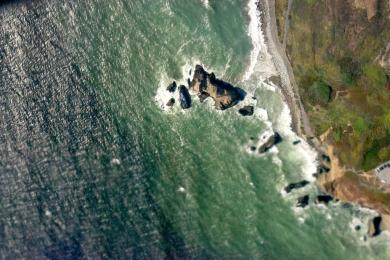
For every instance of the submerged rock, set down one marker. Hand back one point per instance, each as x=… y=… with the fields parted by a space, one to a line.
x=206 y=84
x=324 y=199
x=272 y=140
x=171 y=102
x=185 y=98
x=246 y=111
x=172 y=87
x=303 y=201
x=296 y=185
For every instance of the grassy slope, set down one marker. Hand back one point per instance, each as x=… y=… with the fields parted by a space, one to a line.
x=332 y=43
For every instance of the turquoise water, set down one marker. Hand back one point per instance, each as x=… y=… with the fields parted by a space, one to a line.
x=125 y=178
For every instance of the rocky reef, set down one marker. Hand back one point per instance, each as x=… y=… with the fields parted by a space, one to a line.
x=206 y=85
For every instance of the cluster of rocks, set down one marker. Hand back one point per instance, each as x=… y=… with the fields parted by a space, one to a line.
x=206 y=85
x=303 y=201
x=184 y=96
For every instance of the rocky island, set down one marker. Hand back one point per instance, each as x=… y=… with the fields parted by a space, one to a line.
x=207 y=85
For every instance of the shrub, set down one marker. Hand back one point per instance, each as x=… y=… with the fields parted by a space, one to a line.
x=359 y=126
x=351 y=70
x=320 y=93
x=375 y=75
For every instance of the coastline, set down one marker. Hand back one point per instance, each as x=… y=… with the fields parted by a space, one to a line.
x=290 y=95
x=290 y=92
x=335 y=180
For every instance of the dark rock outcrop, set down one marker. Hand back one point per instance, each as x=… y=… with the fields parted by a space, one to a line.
x=303 y=201
x=207 y=85
x=172 y=87
x=374 y=228
x=272 y=140
x=171 y=102
x=185 y=98
x=324 y=199
x=296 y=185
x=323 y=169
x=246 y=111
x=325 y=158
x=296 y=142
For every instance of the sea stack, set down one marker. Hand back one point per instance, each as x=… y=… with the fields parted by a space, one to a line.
x=207 y=85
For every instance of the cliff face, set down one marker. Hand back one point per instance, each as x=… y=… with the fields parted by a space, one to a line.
x=340 y=54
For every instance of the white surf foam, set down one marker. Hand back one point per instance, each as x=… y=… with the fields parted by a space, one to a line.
x=259 y=52
x=255 y=34
x=206 y=3
x=307 y=153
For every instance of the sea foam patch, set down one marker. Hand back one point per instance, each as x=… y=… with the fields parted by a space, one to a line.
x=260 y=64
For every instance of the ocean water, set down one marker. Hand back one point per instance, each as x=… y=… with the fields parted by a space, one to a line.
x=92 y=165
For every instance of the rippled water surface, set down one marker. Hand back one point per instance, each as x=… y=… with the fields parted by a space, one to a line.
x=92 y=167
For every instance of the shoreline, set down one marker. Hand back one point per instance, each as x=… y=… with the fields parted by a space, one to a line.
x=288 y=86
x=301 y=122
x=289 y=89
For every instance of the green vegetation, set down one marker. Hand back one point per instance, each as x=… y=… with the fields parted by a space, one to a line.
x=333 y=50
x=350 y=69
x=375 y=75
x=320 y=93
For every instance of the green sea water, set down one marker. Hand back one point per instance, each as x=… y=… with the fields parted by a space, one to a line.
x=92 y=167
